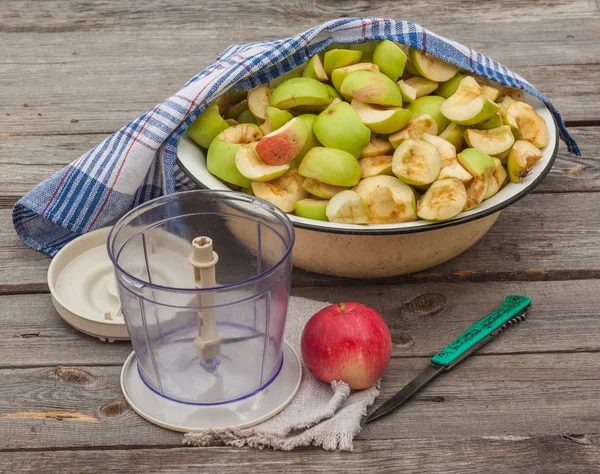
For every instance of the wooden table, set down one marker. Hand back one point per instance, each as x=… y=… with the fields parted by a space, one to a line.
x=72 y=72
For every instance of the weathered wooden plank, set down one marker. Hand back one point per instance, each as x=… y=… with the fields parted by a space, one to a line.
x=542 y=237
x=499 y=454
x=26 y=161
x=516 y=395
x=422 y=318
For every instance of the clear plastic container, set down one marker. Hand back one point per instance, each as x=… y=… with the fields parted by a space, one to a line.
x=162 y=305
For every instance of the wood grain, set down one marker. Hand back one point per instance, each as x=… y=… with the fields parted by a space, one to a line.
x=516 y=395
x=422 y=319
x=497 y=454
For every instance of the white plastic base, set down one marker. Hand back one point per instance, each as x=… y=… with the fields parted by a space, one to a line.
x=189 y=418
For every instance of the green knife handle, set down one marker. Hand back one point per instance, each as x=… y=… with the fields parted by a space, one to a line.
x=513 y=306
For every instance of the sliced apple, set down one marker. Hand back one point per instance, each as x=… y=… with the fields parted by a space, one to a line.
x=284 y=191
x=380 y=119
x=446 y=149
x=372 y=87
x=498 y=179
x=284 y=144
x=514 y=94
x=416 y=128
x=312 y=209
x=220 y=159
x=340 y=127
x=476 y=191
x=494 y=122
x=521 y=159
x=454 y=133
x=408 y=93
x=337 y=58
x=315 y=70
x=207 y=126
x=443 y=200
x=390 y=58
x=430 y=105
x=347 y=207
x=252 y=167
x=276 y=118
x=493 y=142
x=330 y=166
x=530 y=125
x=490 y=92
x=476 y=162
x=375 y=165
x=291 y=74
x=338 y=75
x=377 y=146
x=236 y=110
x=421 y=85
x=300 y=92
x=247 y=117
x=416 y=162
x=367 y=48
x=258 y=100
x=232 y=122
x=455 y=170
x=468 y=105
x=388 y=199
x=237 y=96
x=431 y=67
x=311 y=141
x=448 y=88
x=322 y=190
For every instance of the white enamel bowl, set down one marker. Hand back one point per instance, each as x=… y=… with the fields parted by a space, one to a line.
x=382 y=250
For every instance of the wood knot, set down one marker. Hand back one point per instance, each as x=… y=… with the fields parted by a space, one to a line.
x=73 y=375
x=438 y=399
x=113 y=409
x=401 y=339
x=426 y=304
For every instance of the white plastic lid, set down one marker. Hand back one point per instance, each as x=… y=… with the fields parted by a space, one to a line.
x=82 y=284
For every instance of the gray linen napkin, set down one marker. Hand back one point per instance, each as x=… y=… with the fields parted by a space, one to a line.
x=320 y=414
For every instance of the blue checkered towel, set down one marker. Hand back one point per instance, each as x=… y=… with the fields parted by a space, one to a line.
x=138 y=162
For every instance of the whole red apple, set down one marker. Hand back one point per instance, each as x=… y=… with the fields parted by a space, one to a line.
x=349 y=342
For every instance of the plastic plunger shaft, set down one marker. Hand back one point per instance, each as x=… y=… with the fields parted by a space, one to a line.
x=204 y=259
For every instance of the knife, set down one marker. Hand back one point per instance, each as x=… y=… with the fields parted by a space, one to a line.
x=511 y=312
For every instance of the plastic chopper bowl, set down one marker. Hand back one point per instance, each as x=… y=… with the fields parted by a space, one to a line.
x=150 y=246
x=383 y=250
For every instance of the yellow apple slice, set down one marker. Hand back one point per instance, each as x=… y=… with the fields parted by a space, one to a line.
x=377 y=146
x=454 y=133
x=468 y=105
x=431 y=67
x=446 y=149
x=380 y=119
x=421 y=85
x=284 y=191
x=455 y=170
x=490 y=92
x=389 y=200
x=315 y=70
x=498 y=179
x=416 y=128
x=338 y=75
x=443 y=200
x=322 y=190
x=521 y=159
x=493 y=142
x=409 y=93
x=476 y=191
x=337 y=58
x=375 y=165
x=530 y=125
x=252 y=167
x=347 y=207
x=416 y=162
x=258 y=100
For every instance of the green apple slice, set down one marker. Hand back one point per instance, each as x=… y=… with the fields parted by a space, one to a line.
x=430 y=105
x=330 y=166
x=236 y=110
x=390 y=58
x=367 y=48
x=347 y=207
x=337 y=58
x=454 y=133
x=339 y=126
x=443 y=200
x=530 y=125
x=338 y=75
x=490 y=92
x=421 y=85
x=389 y=200
x=494 y=122
x=284 y=191
x=493 y=142
x=252 y=167
x=247 y=117
x=322 y=190
x=232 y=122
x=416 y=162
x=258 y=100
x=372 y=87
x=276 y=118
x=377 y=146
x=315 y=70
x=224 y=101
x=207 y=126
x=448 y=88
x=416 y=128
x=408 y=93
x=237 y=96
x=521 y=159
x=455 y=170
x=284 y=144
x=300 y=92
x=220 y=159
x=446 y=149
x=476 y=191
x=312 y=209
x=498 y=179
x=380 y=119
x=476 y=162
x=431 y=67
x=468 y=105
x=291 y=74
x=375 y=165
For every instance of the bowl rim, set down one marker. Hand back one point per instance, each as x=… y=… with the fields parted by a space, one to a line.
x=368 y=230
